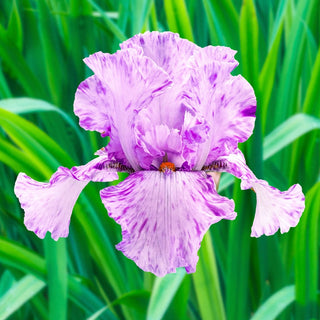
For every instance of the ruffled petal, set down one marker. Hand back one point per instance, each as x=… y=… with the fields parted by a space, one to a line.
x=226 y=102
x=93 y=105
x=156 y=140
x=48 y=206
x=164 y=217
x=275 y=209
x=124 y=83
x=167 y=49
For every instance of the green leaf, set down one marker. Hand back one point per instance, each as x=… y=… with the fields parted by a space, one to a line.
x=23 y=259
x=163 y=292
x=140 y=10
x=110 y=24
x=249 y=35
x=34 y=141
x=312 y=98
x=178 y=18
x=292 y=62
x=267 y=77
x=137 y=300
x=56 y=263
x=287 y=132
x=273 y=307
x=223 y=20
x=19 y=294
x=15 y=30
x=53 y=52
x=13 y=58
x=306 y=258
x=207 y=284
x=30 y=105
x=6 y=282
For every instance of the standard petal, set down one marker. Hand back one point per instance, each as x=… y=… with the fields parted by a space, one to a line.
x=275 y=209
x=48 y=206
x=93 y=106
x=124 y=83
x=164 y=217
x=226 y=102
x=167 y=49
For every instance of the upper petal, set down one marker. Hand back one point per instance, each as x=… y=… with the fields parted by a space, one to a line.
x=226 y=102
x=48 y=206
x=124 y=83
x=167 y=49
x=275 y=209
x=164 y=217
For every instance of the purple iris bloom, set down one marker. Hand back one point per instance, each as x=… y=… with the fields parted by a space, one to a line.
x=173 y=113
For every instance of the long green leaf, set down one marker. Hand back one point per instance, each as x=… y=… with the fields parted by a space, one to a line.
x=32 y=139
x=56 y=263
x=23 y=259
x=287 y=132
x=140 y=10
x=272 y=308
x=19 y=294
x=110 y=24
x=16 y=62
x=249 y=35
x=30 y=105
x=178 y=18
x=223 y=20
x=307 y=261
x=207 y=284
x=162 y=294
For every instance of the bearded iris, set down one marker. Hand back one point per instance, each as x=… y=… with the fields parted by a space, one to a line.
x=174 y=113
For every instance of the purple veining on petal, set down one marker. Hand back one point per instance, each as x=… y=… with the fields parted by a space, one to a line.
x=167 y=49
x=226 y=102
x=275 y=209
x=48 y=206
x=126 y=71
x=163 y=227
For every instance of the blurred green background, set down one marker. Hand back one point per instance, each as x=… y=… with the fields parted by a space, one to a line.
x=42 y=44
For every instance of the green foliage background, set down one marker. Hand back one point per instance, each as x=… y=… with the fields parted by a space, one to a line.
x=42 y=44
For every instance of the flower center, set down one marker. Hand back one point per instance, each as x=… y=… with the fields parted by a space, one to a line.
x=166 y=166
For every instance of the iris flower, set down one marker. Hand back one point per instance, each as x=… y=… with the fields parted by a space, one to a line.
x=174 y=114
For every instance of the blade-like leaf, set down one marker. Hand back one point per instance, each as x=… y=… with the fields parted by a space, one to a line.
x=19 y=294
x=271 y=308
x=162 y=294
x=307 y=261
x=207 y=284
x=287 y=132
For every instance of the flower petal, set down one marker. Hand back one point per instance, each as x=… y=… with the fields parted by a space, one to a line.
x=226 y=102
x=92 y=105
x=124 y=83
x=167 y=49
x=164 y=217
x=48 y=206
x=275 y=209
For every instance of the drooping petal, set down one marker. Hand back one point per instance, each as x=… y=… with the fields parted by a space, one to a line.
x=48 y=206
x=275 y=209
x=226 y=102
x=124 y=83
x=164 y=217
